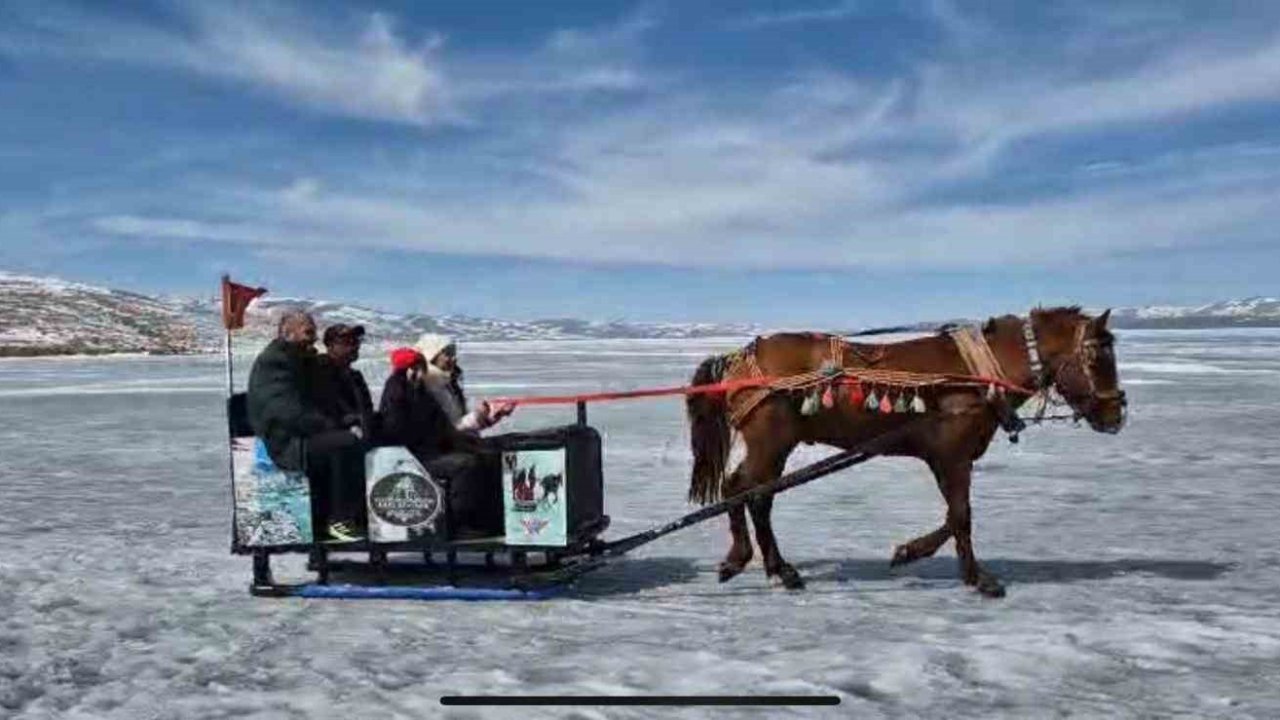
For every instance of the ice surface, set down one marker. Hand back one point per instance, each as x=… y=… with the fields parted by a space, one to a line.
x=1143 y=569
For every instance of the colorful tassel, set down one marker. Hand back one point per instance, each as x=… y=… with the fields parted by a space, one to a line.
x=885 y=405
x=856 y=395
x=900 y=405
x=809 y=406
x=828 y=398
x=917 y=404
x=873 y=402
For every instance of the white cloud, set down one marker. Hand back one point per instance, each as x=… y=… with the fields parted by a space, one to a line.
x=824 y=171
x=372 y=73
x=359 y=66
x=838 y=11
x=1180 y=83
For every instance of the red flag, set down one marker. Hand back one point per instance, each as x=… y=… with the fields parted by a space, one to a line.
x=235 y=300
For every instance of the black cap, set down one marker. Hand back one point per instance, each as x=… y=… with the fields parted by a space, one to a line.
x=340 y=331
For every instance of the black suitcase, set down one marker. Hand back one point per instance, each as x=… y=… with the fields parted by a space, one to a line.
x=584 y=482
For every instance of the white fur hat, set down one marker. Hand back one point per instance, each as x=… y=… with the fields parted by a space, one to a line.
x=431 y=345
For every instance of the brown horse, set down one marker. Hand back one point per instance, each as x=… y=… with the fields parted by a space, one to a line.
x=1061 y=349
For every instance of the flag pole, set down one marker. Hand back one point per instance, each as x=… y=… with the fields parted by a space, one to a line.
x=231 y=386
x=235 y=300
x=231 y=389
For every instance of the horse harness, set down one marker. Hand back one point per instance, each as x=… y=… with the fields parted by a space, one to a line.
x=974 y=350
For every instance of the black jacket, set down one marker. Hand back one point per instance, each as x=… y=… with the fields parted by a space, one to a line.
x=343 y=396
x=282 y=403
x=410 y=416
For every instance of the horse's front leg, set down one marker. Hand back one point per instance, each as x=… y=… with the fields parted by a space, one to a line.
x=955 y=478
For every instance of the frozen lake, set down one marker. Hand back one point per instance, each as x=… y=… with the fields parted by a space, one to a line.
x=1143 y=569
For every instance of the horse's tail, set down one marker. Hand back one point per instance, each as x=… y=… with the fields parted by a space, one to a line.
x=709 y=433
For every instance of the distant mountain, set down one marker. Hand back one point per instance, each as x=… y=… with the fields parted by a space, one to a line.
x=381 y=325
x=1250 y=312
x=49 y=316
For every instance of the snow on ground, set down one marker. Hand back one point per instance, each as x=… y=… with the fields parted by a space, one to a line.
x=1143 y=569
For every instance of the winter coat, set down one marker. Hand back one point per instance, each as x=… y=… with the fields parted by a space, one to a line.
x=411 y=416
x=344 y=396
x=282 y=403
x=447 y=389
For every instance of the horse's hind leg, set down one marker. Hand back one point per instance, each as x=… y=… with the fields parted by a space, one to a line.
x=774 y=565
x=922 y=547
x=925 y=545
x=955 y=478
x=760 y=467
x=740 y=548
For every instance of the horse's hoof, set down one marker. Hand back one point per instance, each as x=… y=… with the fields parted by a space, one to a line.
x=790 y=578
x=728 y=571
x=901 y=556
x=990 y=586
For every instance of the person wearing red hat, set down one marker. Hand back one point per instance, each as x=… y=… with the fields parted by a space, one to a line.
x=411 y=417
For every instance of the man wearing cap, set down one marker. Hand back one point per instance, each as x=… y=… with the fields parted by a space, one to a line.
x=344 y=394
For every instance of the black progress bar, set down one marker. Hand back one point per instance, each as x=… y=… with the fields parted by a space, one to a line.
x=638 y=700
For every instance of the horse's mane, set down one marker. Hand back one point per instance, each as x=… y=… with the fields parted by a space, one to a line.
x=995 y=320
x=1060 y=310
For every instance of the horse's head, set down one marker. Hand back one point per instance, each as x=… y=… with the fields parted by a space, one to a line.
x=1079 y=361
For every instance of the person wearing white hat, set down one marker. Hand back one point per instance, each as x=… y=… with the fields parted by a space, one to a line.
x=444 y=380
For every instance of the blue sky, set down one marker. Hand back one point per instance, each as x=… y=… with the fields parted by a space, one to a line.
x=803 y=163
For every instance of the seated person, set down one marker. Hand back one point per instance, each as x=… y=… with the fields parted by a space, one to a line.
x=344 y=394
x=444 y=380
x=299 y=436
x=411 y=416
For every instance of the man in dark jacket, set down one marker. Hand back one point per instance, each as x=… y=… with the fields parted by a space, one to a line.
x=410 y=415
x=299 y=436
x=344 y=394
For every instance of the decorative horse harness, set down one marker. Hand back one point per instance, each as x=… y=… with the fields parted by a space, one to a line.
x=974 y=349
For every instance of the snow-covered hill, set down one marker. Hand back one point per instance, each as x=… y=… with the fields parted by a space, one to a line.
x=264 y=312
x=49 y=316
x=1250 y=312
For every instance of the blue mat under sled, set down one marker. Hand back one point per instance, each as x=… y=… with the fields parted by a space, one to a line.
x=363 y=592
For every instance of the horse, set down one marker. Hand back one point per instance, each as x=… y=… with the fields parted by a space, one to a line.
x=551 y=488
x=522 y=486
x=1061 y=349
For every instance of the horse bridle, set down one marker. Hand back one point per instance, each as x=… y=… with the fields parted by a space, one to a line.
x=1084 y=354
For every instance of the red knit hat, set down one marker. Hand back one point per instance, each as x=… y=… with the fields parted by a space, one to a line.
x=405 y=357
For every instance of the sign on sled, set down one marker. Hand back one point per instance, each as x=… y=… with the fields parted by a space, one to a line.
x=273 y=507
x=533 y=504
x=403 y=501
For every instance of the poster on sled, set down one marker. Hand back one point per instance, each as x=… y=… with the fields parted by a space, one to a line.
x=403 y=501
x=533 y=501
x=273 y=507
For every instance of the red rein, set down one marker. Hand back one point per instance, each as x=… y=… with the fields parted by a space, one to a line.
x=724 y=387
